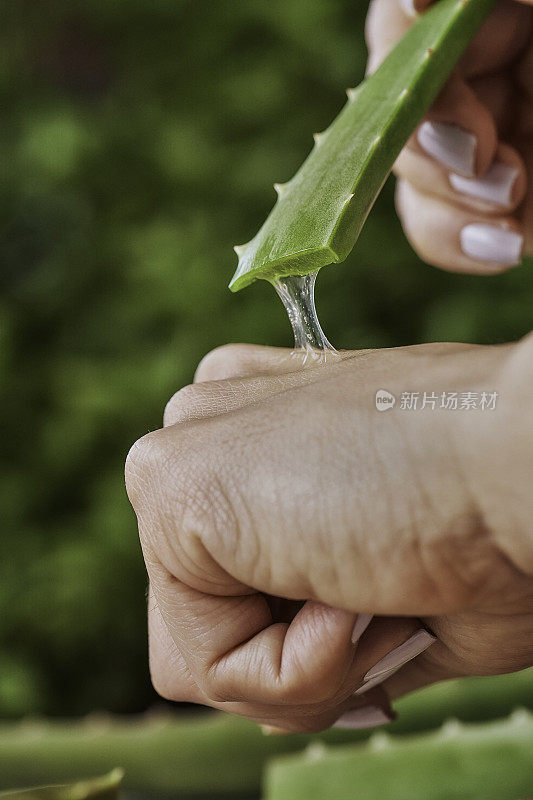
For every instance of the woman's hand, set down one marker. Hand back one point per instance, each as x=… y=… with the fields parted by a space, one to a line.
x=278 y=509
x=465 y=179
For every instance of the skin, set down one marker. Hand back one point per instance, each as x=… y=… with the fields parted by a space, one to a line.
x=276 y=503
x=287 y=483
x=491 y=96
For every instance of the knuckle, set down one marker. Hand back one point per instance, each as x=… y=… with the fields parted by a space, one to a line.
x=183 y=405
x=320 y=690
x=215 y=690
x=222 y=362
x=141 y=465
x=178 y=487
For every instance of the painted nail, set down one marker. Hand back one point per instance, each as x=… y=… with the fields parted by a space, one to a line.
x=484 y=242
x=361 y=624
x=364 y=717
x=408 y=7
x=452 y=146
x=496 y=186
x=415 y=645
x=377 y=680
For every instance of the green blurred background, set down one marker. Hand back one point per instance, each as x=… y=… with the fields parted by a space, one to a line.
x=139 y=142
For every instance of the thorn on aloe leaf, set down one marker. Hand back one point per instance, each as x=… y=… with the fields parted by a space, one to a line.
x=280 y=188
x=520 y=716
x=450 y=728
x=318 y=137
x=379 y=741
x=351 y=92
x=315 y=751
x=240 y=248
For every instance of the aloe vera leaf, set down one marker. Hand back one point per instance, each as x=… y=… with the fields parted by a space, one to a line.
x=217 y=755
x=493 y=761
x=320 y=212
x=104 y=788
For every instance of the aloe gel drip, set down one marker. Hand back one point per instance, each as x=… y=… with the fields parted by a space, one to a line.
x=297 y=293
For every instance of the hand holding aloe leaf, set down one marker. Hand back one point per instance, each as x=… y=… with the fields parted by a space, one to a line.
x=320 y=212
x=275 y=528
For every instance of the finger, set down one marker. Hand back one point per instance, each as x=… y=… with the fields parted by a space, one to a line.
x=497 y=43
x=235 y=652
x=170 y=676
x=526 y=212
x=211 y=398
x=234 y=376
x=497 y=93
x=386 y=23
x=459 y=132
x=247 y=360
x=500 y=190
x=524 y=73
x=455 y=239
x=173 y=681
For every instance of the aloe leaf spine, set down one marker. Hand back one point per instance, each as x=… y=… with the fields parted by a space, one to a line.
x=196 y=757
x=493 y=761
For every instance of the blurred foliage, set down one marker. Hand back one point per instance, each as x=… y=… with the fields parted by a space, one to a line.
x=140 y=140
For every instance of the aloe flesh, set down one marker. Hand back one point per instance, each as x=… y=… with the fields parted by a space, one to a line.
x=493 y=761
x=320 y=212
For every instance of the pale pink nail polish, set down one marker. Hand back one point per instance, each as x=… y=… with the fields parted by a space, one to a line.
x=484 y=242
x=361 y=624
x=377 y=680
x=401 y=655
x=364 y=717
x=450 y=145
x=408 y=7
x=496 y=186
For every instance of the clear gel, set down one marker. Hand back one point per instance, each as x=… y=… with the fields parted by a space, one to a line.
x=297 y=294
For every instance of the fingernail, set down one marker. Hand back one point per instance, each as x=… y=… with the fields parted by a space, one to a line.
x=496 y=186
x=484 y=242
x=408 y=7
x=415 y=645
x=364 y=717
x=452 y=146
x=361 y=624
x=377 y=680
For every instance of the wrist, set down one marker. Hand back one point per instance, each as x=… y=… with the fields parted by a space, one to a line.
x=496 y=450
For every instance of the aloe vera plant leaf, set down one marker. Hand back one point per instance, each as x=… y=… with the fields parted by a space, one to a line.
x=218 y=755
x=320 y=212
x=493 y=761
x=104 y=788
